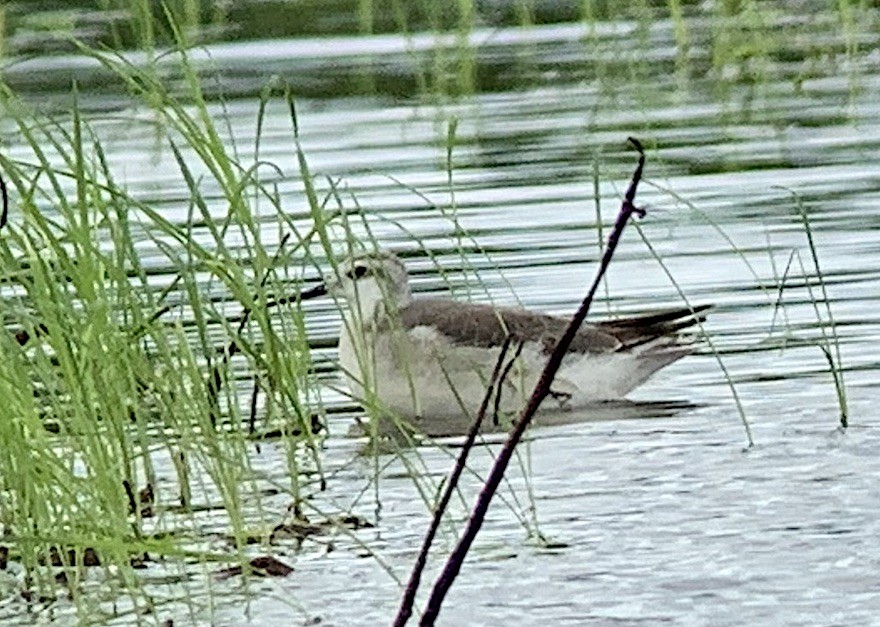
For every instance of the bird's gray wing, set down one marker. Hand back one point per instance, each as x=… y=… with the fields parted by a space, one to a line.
x=487 y=327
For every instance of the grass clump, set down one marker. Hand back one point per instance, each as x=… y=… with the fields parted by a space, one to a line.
x=116 y=357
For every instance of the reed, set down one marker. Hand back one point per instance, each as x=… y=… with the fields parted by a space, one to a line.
x=126 y=370
x=106 y=369
x=830 y=341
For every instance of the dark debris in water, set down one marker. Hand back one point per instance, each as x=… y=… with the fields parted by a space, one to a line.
x=299 y=527
x=64 y=559
x=89 y=557
x=143 y=503
x=316 y=427
x=262 y=566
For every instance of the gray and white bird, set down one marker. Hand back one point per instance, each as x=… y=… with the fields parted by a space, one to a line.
x=433 y=358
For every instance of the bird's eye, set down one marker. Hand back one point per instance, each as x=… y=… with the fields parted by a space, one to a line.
x=357 y=272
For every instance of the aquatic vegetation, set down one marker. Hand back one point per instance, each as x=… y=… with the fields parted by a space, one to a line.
x=167 y=405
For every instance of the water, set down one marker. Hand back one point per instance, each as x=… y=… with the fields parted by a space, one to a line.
x=657 y=513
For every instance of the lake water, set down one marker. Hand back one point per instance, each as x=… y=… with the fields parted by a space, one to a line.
x=654 y=513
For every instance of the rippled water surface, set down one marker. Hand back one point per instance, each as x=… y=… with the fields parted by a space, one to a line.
x=652 y=513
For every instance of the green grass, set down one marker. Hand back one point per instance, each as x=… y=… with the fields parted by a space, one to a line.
x=129 y=380
x=708 y=338
x=830 y=341
x=131 y=361
x=116 y=371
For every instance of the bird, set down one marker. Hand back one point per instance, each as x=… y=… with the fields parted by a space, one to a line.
x=424 y=358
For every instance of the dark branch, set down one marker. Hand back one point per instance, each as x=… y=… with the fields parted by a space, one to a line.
x=4 y=197
x=542 y=389
x=215 y=381
x=501 y=380
x=415 y=577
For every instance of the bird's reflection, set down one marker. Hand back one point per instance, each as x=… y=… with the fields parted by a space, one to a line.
x=412 y=432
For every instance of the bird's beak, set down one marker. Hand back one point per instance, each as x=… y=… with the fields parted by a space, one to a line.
x=318 y=290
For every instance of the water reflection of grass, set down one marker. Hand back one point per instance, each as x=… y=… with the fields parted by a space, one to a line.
x=449 y=50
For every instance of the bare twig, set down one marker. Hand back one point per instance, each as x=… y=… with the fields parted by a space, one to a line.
x=502 y=379
x=542 y=389
x=4 y=198
x=415 y=577
x=215 y=381
x=255 y=394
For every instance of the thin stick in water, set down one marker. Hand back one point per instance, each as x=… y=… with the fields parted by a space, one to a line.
x=4 y=195
x=542 y=389
x=415 y=577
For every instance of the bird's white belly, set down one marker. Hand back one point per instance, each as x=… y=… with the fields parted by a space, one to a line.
x=420 y=373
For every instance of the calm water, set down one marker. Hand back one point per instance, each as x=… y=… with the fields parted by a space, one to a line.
x=655 y=513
